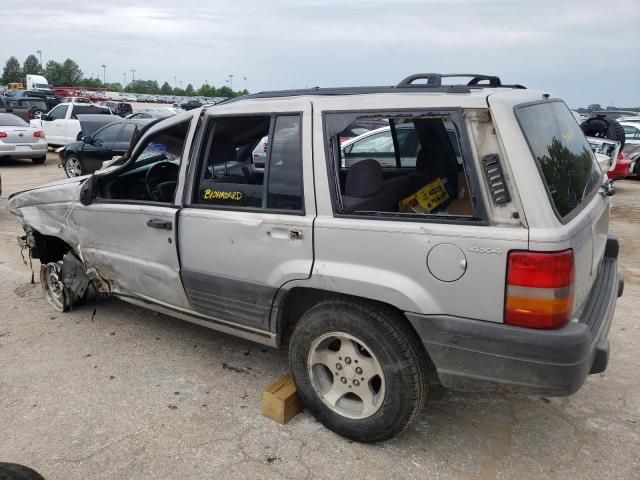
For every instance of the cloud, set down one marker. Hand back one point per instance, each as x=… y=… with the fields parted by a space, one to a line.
x=578 y=49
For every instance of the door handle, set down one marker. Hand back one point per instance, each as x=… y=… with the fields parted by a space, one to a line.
x=160 y=224
x=285 y=233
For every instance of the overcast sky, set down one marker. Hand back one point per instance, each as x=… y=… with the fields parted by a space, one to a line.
x=586 y=51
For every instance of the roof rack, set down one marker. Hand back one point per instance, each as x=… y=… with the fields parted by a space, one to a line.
x=435 y=80
x=433 y=84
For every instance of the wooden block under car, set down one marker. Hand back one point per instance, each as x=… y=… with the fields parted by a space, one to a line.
x=280 y=400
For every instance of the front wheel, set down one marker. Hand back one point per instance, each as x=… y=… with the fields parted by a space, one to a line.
x=72 y=166
x=54 y=290
x=360 y=369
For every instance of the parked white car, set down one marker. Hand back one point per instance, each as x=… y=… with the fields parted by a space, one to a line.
x=61 y=124
x=632 y=143
x=20 y=140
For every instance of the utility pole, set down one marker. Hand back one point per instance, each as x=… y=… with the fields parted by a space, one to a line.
x=39 y=52
x=124 y=79
x=133 y=75
x=231 y=81
x=104 y=74
x=175 y=81
x=245 y=82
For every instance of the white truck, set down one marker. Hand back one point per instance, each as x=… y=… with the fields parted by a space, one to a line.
x=38 y=82
x=61 y=124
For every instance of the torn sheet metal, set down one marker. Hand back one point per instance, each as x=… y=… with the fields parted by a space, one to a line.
x=73 y=275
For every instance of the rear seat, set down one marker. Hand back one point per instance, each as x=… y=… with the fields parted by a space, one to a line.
x=366 y=189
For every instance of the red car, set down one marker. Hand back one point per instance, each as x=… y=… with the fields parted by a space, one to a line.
x=621 y=169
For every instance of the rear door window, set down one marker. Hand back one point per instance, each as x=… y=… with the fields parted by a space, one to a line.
x=568 y=167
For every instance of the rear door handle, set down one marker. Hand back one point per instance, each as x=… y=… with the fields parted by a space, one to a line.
x=160 y=224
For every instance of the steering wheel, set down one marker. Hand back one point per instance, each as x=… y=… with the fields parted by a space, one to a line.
x=158 y=174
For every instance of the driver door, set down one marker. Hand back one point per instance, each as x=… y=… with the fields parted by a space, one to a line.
x=128 y=237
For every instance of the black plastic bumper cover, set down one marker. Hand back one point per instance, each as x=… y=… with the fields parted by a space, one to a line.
x=476 y=355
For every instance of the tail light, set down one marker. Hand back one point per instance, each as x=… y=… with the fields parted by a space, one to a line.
x=539 y=289
x=38 y=134
x=3 y=135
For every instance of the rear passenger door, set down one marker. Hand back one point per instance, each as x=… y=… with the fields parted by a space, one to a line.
x=246 y=231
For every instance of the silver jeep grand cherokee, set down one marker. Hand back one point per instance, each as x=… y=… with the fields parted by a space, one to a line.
x=464 y=243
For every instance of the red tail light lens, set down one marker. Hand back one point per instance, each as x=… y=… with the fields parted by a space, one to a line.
x=3 y=135
x=539 y=289
x=38 y=134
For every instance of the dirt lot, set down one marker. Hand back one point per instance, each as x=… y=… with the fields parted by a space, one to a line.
x=133 y=394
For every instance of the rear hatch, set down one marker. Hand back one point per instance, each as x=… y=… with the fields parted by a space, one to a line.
x=572 y=178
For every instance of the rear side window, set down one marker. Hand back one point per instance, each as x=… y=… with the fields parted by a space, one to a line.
x=569 y=169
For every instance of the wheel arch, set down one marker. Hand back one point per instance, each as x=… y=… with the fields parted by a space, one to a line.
x=290 y=305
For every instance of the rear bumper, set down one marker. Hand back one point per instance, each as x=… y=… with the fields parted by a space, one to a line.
x=477 y=355
x=37 y=150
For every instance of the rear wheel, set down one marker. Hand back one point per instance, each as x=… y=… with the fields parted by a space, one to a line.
x=72 y=166
x=39 y=160
x=359 y=369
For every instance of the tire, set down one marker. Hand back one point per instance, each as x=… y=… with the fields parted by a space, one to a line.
x=603 y=128
x=54 y=290
x=393 y=372
x=39 y=160
x=72 y=166
x=13 y=471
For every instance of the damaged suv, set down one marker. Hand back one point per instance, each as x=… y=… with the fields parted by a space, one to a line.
x=468 y=248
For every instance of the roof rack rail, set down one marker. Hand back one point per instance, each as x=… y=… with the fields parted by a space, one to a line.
x=435 y=80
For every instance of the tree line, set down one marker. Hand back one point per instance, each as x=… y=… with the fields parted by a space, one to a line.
x=69 y=74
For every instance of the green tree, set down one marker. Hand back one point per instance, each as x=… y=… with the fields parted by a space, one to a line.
x=178 y=91
x=189 y=91
x=594 y=107
x=53 y=72
x=71 y=73
x=225 y=92
x=166 y=89
x=90 y=83
x=205 y=90
x=114 y=87
x=31 y=66
x=12 y=71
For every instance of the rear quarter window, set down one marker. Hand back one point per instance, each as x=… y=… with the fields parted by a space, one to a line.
x=568 y=168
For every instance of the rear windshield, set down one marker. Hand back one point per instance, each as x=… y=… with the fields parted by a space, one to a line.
x=10 y=120
x=568 y=167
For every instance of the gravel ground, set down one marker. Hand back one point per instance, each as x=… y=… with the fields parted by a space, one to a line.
x=133 y=394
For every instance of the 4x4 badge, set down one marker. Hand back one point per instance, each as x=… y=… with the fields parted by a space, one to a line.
x=485 y=250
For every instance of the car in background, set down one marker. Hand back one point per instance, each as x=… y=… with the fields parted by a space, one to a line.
x=153 y=113
x=359 y=127
x=130 y=98
x=122 y=109
x=378 y=144
x=62 y=125
x=190 y=104
x=20 y=140
x=86 y=100
x=632 y=143
x=49 y=98
x=613 y=114
x=34 y=107
x=621 y=169
x=111 y=140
